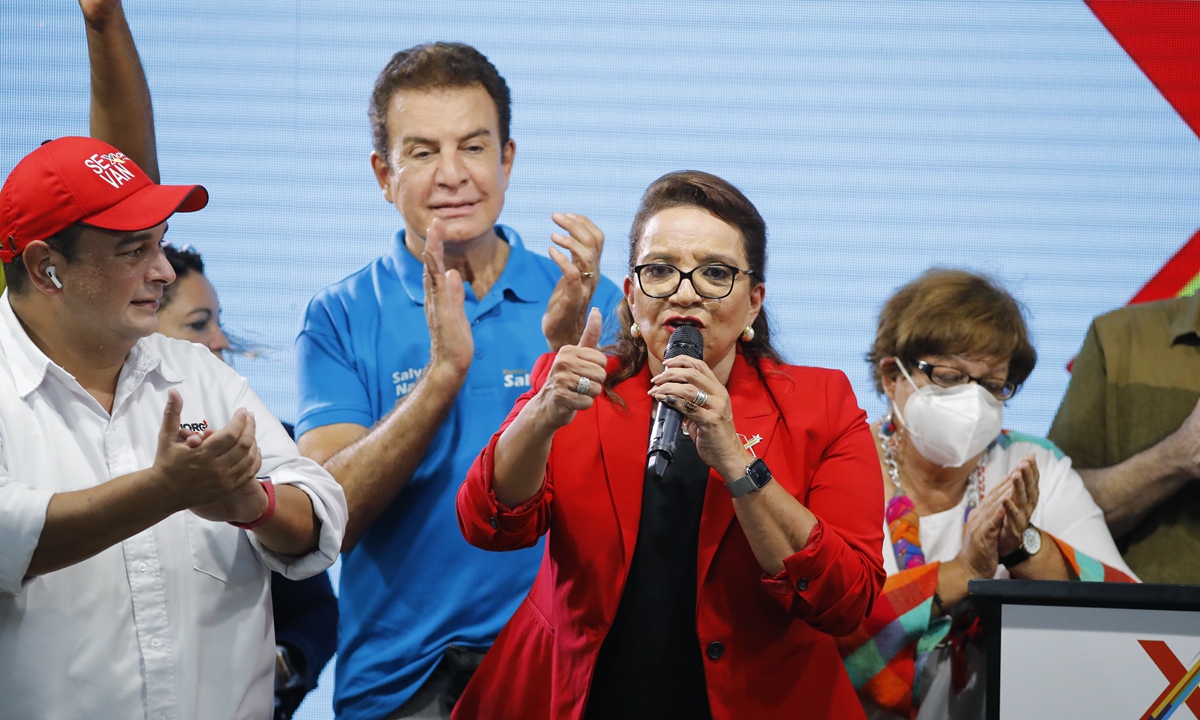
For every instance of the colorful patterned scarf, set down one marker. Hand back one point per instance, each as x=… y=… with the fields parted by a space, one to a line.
x=905 y=529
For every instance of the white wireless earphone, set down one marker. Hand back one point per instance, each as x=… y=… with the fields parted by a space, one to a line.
x=54 y=277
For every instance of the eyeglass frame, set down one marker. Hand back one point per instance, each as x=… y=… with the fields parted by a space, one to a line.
x=637 y=271
x=928 y=369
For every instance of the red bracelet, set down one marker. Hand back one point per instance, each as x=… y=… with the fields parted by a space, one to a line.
x=268 y=513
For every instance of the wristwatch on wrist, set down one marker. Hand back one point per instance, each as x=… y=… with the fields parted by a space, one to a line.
x=756 y=476
x=1031 y=542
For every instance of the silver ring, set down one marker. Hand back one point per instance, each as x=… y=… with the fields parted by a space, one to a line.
x=583 y=386
x=701 y=398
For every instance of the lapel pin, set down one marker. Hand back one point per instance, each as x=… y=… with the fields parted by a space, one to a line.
x=749 y=444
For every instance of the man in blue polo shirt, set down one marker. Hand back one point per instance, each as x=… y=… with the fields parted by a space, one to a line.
x=408 y=366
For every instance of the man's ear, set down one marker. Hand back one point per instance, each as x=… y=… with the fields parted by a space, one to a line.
x=37 y=257
x=383 y=175
x=507 y=155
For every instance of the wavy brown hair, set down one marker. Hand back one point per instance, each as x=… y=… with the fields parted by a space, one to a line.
x=693 y=188
x=952 y=312
x=436 y=66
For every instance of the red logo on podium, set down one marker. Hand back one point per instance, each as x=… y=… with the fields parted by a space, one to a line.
x=1182 y=681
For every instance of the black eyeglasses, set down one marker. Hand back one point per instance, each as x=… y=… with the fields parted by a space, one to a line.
x=713 y=281
x=945 y=376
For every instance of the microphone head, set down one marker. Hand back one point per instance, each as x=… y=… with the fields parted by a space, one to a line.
x=686 y=340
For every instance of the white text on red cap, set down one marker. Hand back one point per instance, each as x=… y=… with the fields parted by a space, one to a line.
x=110 y=167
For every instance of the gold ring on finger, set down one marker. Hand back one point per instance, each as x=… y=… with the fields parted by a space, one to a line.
x=589 y=274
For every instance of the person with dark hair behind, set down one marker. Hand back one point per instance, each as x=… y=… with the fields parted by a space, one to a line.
x=305 y=611
x=965 y=499
x=712 y=590
x=405 y=368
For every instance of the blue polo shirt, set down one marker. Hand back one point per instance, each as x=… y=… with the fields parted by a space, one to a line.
x=412 y=585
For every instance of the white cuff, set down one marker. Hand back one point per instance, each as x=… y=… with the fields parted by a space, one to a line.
x=331 y=513
x=22 y=517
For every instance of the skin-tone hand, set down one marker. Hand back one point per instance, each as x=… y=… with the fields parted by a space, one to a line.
x=558 y=400
x=1020 y=496
x=1184 y=444
x=451 y=344
x=567 y=309
x=214 y=474
x=523 y=449
x=979 y=555
x=98 y=12
x=1129 y=490
x=710 y=426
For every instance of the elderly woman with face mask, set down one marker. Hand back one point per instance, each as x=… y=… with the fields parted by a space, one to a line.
x=709 y=590
x=964 y=499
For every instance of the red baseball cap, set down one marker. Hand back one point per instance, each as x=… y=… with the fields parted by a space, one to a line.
x=82 y=180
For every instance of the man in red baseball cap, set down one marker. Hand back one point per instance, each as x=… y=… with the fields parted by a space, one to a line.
x=71 y=212
x=160 y=612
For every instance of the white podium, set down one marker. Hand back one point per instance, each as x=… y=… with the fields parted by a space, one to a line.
x=1114 y=651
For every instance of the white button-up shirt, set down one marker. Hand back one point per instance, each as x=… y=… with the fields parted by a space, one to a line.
x=174 y=622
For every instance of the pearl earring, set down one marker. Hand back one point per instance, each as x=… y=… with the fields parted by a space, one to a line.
x=635 y=331
x=748 y=334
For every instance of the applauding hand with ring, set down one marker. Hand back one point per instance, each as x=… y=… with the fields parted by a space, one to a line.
x=578 y=256
x=689 y=386
x=576 y=378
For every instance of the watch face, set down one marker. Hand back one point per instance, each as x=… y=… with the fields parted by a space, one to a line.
x=758 y=473
x=1031 y=540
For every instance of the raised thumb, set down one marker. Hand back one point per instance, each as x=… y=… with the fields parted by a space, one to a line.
x=591 y=331
x=172 y=412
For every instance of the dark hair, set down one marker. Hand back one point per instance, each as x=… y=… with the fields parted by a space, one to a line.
x=436 y=66
x=693 y=188
x=65 y=242
x=184 y=261
x=952 y=312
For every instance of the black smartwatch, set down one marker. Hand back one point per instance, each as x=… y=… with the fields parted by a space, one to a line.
x=756 y=476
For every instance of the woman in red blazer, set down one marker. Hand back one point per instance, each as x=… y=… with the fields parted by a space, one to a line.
x=710 y=590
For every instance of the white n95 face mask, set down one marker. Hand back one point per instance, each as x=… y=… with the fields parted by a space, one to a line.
x=949 y=426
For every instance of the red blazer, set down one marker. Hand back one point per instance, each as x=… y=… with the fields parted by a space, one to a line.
x=776 y=658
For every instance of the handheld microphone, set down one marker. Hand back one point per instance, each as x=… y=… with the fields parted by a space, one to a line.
x=686 y=340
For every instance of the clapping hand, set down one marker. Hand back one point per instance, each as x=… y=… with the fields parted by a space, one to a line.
x=1019 y=494
x=212 y=473
x=980 y=553
x=567 y=309
x=451 y=344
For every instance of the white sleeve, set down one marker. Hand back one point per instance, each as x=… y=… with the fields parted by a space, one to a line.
x=285 y=466
x=22 y=517
x=1067 y=511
